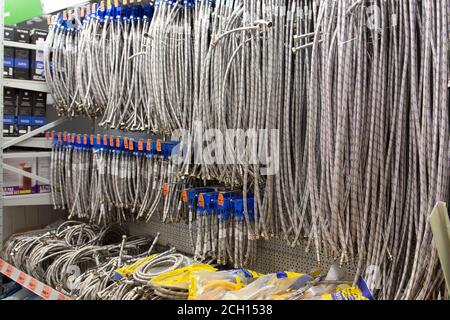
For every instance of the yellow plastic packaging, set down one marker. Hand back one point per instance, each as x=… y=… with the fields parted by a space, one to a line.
x=130 y=269
x=214 y=285
x=276 y=286
x=180 y=278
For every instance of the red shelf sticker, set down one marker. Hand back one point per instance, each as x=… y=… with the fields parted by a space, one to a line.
x=32 y=285
x=9 y=271
x=22 y=278
x=2 y=263
x=46 y=292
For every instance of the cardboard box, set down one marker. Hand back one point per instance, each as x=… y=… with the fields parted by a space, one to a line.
x=43 y=170
x=38 y=35
x=22 y=35
x=10 y=34
x=22 y=64
x=8 y=63
x=15 y=184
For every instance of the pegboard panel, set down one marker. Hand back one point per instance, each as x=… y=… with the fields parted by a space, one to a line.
x=272 y=255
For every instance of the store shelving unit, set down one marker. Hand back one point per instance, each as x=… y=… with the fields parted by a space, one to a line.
x=30 y=283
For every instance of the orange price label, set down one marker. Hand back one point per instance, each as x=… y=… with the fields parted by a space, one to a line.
x=125 y=143
x=46 y=292
x=141 y=145
x=149 y=145
x=32 y=285
x=185 y=196
x=201 y=201
x=118 y=143
x=131 y=145
x=22 y=278
x=166 y=190
x=85 y=139
x=78 y=139
x=9 y=271
x=2 y=263
x=105 y=140
x=91 y=138
x=221 y=200
x=99 y=139
x=111 y=141
x=59 y=136
x=158 y=146
x=73 y=138
x=65 y=137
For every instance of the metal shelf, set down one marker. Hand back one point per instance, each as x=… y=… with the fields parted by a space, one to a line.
x=30 y=283
x=26 y=155
x=40 y=86
x=19 y=45
x=37 y=143
x=42 y=199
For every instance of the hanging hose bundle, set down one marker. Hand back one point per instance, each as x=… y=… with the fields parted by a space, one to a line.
x=348 y=98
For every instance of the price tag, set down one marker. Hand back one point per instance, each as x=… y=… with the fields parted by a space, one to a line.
x=125 y=143
x=92 y=140
x=185 y=196
x=22 y=278
x=201 y=201
x=32 y=285
x=221 y=200
x=131 y=145
x=141 y=145
x=105 y=141
x=158 y=146
x=78 y=139
x=9 y=271
x=149 y=145
x=59 y=136
x=46 y=292
x=65 y=137
x=99 y=139
x=111 y=141
x=2 y=263
x=118 y=143
x=85 y=139
x=166 y=190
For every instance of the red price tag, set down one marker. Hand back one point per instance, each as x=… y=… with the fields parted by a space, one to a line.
x=46 y=292
x=9 y=271
x=111 y=141
x=78 y=139
x=185 y=196
x=158 y=146
x=32 y=285
x=2 y=263
x=125 y=143
x=118 y=143
x=140 y=145
x=105 y=140
x=91 y=140
x=65 y=137
x=201 y=201
x=99 y=140
x=85 y=139
x=221 y=200
x=22 y=278
x=131 y=145
x=149 y=145
x=166 y=190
